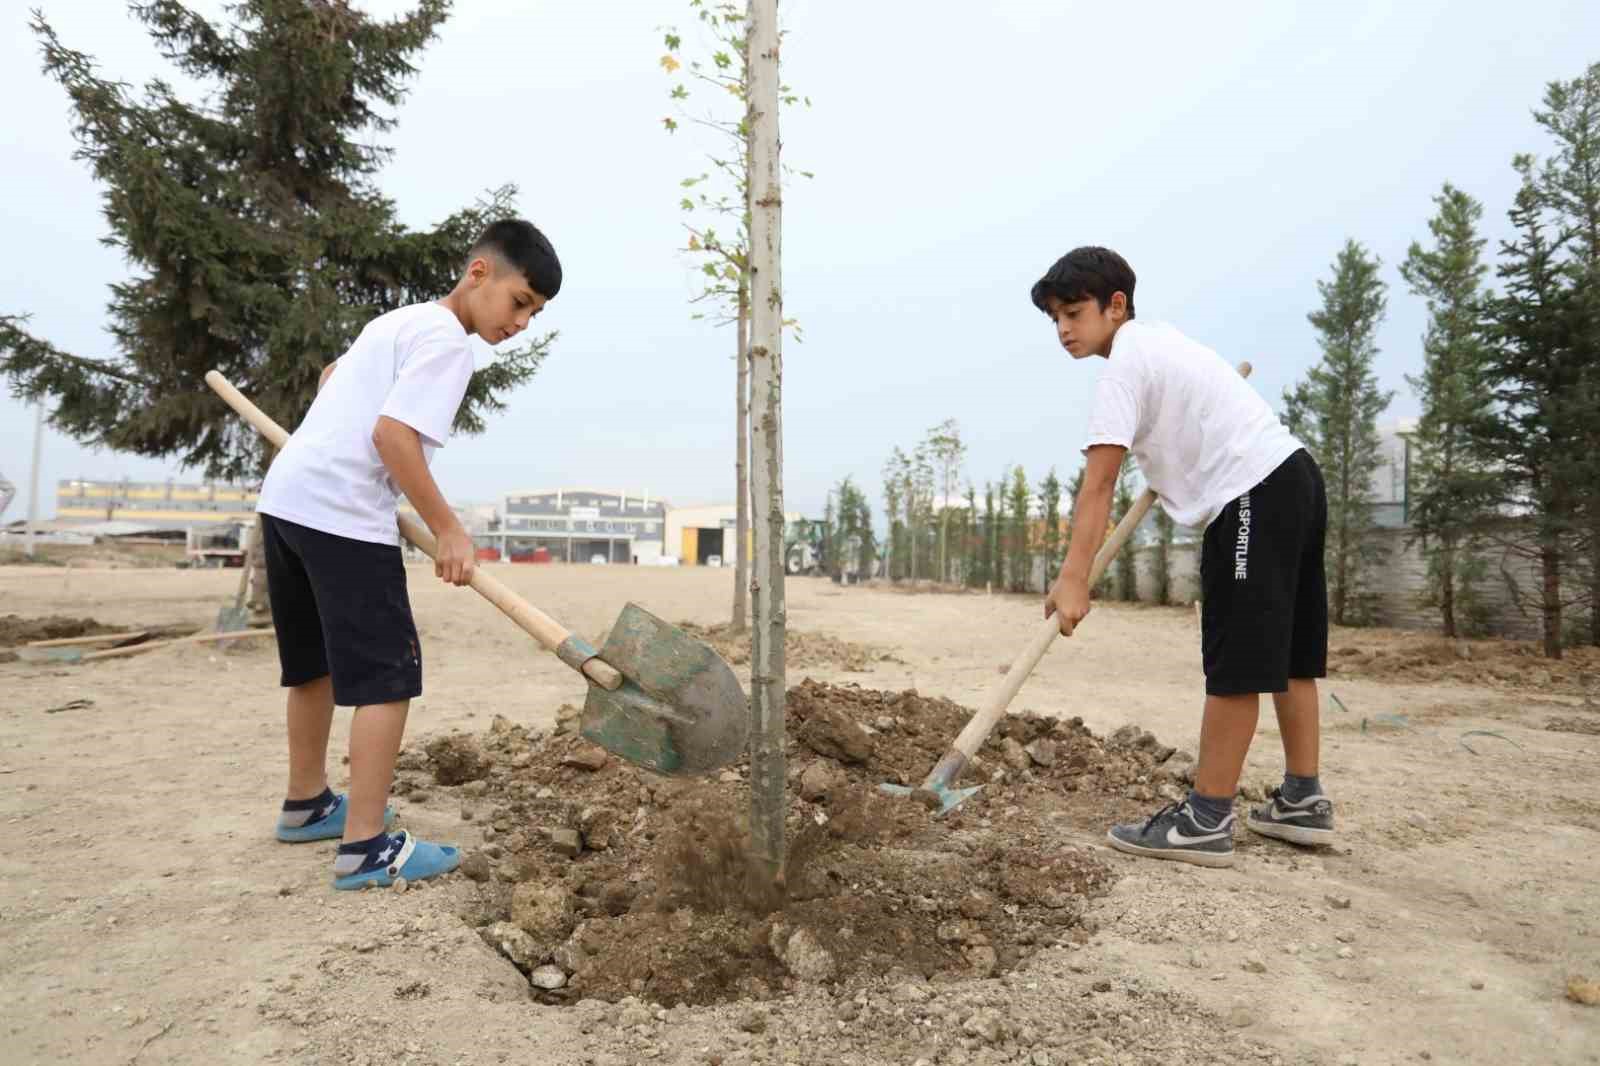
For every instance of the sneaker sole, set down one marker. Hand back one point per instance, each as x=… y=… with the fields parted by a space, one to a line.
x=1294 y=834
x=1212 y=859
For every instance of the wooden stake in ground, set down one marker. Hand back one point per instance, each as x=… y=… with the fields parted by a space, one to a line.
x=767 y=778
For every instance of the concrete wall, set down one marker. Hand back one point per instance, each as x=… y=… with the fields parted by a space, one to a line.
x=1404 y=579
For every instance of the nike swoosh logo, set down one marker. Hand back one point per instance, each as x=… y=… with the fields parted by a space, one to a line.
x=1178 y=839
x=1281 y=813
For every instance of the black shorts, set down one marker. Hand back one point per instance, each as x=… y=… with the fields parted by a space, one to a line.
x=1264 y=593
x=340 y=607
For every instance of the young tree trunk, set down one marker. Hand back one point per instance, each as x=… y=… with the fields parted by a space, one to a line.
x=1447 y=583
x=944 y=530
x=741 y=475
x=1550 y=567
x=1594 y=580
x=256 y=559
x=767 y=773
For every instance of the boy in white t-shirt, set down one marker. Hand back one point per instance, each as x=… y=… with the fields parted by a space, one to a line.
x=334 y=570
x=1218 y=458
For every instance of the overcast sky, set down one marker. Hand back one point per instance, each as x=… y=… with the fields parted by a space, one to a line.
x=1226 y=150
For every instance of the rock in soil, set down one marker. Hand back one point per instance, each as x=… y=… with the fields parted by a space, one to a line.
x=1582 y=990
x=819 y=779
x=831 y=734
x=547 y=977
x=589 y=757
x=457 y=759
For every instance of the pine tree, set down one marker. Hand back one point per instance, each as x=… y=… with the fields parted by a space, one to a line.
x=259 y=242
x=997 y=535
x=1021 y=555
x=1127 y=563
x=1569 y=186
x=988 y=566
x=1534 y=364
x=893 y=493
x=1334 y=411
x=1450 y=484
x=946 y=450
x=971 y=551
x=1166 y=530
x=1050 y=506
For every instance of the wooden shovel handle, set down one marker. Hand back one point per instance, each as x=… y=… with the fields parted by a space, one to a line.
x=152 y=645
x=983 y=723
x=541 y=627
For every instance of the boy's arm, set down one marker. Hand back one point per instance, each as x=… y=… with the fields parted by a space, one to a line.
x=1069 y=598
x=327 y=372
x=400 y=448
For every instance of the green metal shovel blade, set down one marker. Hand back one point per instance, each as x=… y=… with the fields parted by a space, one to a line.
x=948 y=799
x=680 y=710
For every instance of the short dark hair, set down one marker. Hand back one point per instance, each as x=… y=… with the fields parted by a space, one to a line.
x=522 y=245
x=1084 y=273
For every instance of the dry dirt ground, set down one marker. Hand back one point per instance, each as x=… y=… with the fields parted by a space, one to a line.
x=147 y=915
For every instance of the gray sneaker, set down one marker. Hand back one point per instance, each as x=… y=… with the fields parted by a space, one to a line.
x=1308 y=821
x=1173 y=833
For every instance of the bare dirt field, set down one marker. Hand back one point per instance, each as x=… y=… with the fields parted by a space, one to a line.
x=148 y=916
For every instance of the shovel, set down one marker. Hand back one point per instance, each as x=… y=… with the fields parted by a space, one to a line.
x=938 y=792
x=237 y=617
x=657 y=697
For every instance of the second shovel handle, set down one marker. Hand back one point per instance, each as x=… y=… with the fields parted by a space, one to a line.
x=982 y=724
x=540 y=626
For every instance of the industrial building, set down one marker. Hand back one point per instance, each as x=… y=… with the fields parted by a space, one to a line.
x=579 y=525
x=161 y=504
x=706 y=535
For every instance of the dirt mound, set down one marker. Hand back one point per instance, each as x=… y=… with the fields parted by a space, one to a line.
x=802 y=651
x=15 y=629
x=601 y=881
x=1398 y=655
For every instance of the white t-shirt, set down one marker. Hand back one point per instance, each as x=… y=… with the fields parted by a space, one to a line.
x=412 y=364
x=1201 y=435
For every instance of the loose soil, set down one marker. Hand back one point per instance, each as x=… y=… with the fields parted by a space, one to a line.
x=802 y=651
x=659 y=903
x=16 y=630
x=1391 y=655
x=148 y=916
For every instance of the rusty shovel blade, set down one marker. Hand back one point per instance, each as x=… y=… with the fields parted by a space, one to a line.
x=680 y=710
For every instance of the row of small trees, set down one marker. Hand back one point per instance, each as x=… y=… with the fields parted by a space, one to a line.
x=1505 y=459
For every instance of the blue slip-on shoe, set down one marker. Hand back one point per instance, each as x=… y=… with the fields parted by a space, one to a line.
x=417 y=860
x=329 y=827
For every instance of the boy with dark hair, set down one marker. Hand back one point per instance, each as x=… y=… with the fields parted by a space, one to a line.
x=1218 y=458
x=334 y=570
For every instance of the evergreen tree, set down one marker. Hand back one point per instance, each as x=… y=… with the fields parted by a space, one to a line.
x=852 y=520
x=997 y=534
x=892 y=495
x=1334 y=411
x=1050 y=507
x=987 y=567
x=1536 y=369
x=971 y=551
x=1021 y=555
x=1450 y=483
x=1166 y=530
x=1569 y=186
x=259 y=242
x=1127 y=562
x=946 y=450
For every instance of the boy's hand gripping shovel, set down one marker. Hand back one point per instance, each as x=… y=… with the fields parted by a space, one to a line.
x=938 y=792
x=657 y=697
